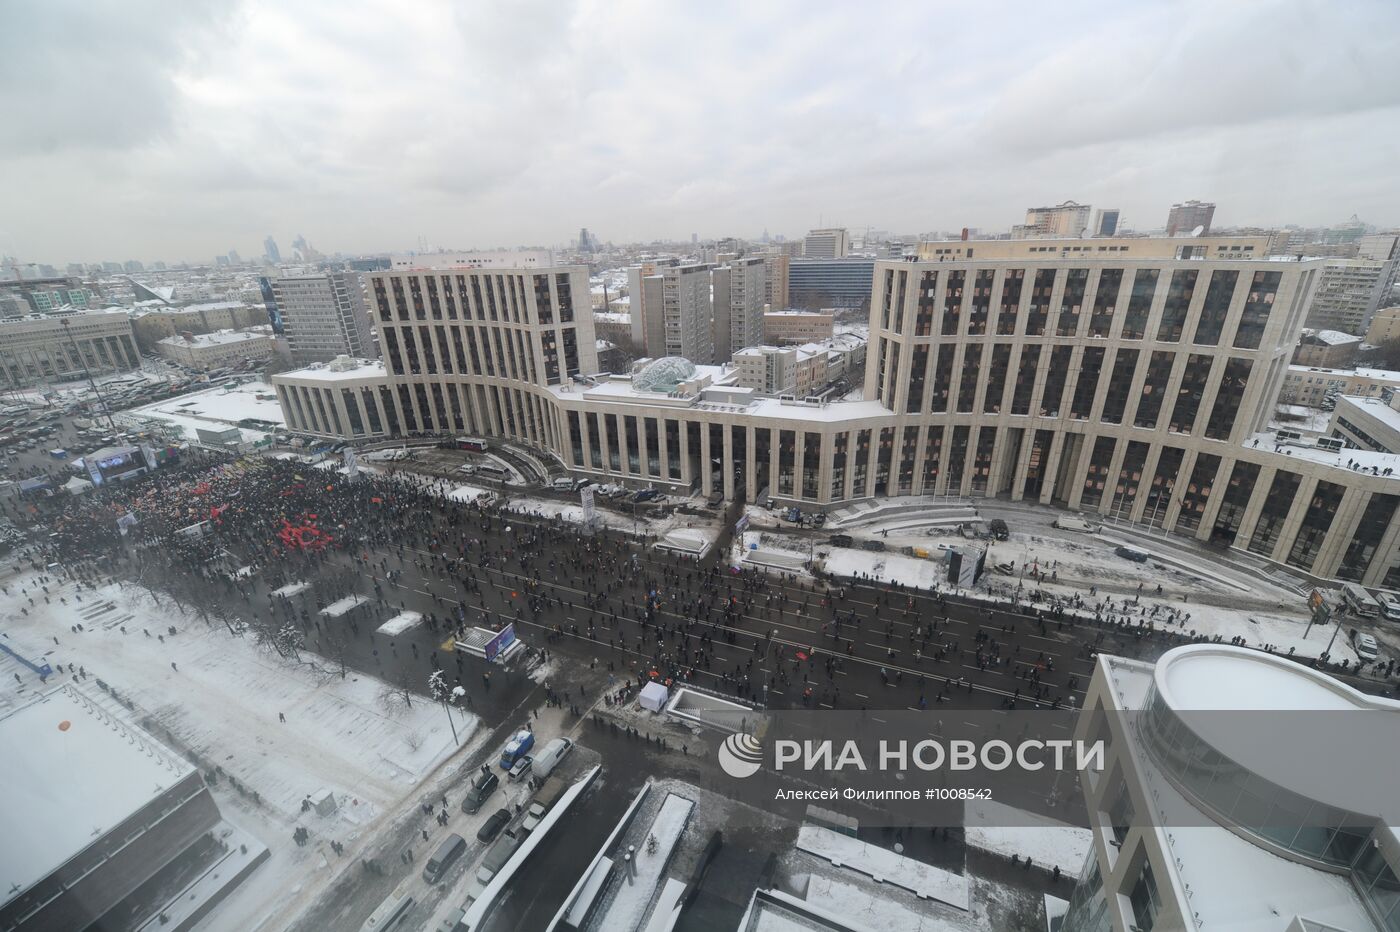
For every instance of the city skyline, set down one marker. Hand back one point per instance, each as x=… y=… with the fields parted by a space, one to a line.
x=180 y=135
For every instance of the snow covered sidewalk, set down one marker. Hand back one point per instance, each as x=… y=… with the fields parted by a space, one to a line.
x=923 y=880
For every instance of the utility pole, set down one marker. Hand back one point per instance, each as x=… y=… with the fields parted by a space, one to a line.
x=102 y=402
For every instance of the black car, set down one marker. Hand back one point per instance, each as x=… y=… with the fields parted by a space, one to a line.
x=841 y=540
x=492 y=826
x=480 y=790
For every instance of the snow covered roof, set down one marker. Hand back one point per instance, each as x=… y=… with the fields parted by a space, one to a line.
x=75 y=766
x=1334 y=337
x=364 y=369
x=217 y=338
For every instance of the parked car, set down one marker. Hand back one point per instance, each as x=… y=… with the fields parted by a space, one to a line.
x=564 y=484
x=1131 y=553
x=873 y=544
x=493 y=825
x=581 y=484
x=482 y=786
x=521 y=767
x=554 y=752
x=998 y=529
x=1076 y=523
x=646 y=495
x=842 y=540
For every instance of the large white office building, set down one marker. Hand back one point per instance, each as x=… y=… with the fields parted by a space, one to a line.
x=1138 y=388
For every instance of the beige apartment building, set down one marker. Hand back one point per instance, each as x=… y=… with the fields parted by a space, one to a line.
x=1385 y=326
x=1311 y=385
x=206 y=351
x=1137 y=388
x=788 y=328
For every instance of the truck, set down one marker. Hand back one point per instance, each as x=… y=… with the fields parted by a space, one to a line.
x=1359 y=601
x=517 y=747
x=544 y=800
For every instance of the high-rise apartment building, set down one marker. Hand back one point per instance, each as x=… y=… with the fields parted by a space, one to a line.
x=775 y=281
x=1350 y=292
x=324 y=316
x=1184 y=218
x=1067 y=219
x=831 y=243
x=672 y=310
x=738 y=306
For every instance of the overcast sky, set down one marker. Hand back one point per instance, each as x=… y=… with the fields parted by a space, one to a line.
x=148 y=130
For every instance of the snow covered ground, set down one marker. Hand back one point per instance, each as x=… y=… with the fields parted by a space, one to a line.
x=220 y=704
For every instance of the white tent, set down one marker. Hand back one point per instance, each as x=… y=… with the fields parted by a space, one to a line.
x=653 y=696
x=77 y=486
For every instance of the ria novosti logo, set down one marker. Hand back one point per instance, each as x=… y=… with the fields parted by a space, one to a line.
x=741 y=755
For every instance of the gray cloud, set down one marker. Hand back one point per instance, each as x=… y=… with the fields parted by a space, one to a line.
x=177 y=131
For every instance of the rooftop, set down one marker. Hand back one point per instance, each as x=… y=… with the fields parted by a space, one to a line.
x=1359 y=460
x=217 y=338
x=75 y=766
x=1377 y=374
x=323 y=372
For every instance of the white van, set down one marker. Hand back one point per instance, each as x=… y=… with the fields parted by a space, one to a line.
x=1360 y=601
x=391 y=912
x=1076 y=523
x=554 y=752
x=1390 y=605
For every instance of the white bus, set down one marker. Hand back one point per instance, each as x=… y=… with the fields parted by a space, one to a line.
x=1360 y=601
x=389 y=913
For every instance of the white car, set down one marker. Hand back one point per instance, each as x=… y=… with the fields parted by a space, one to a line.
x=1366 y=647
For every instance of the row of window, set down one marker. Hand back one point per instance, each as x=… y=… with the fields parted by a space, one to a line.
x=476 y=296
x=500 y=352
x=941 y=305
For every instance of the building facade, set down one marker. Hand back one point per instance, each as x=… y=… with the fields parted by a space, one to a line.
x=672 y=310
x=788 y=328
x=55 y=347
x=830 y=243
x=1385 y=326
x=1329 y=349
x=1195 y=829
x=1313 y=386
x=1067 y=219
x=1349 y=294
x=814 y=284
x=1182 y=219
x=324 y=316
x=738 y=298
x=775 y=281
x=1139 y=389
x=1367 y=423
x=207 y=351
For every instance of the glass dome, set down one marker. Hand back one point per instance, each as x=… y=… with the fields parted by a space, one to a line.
x=663 y=375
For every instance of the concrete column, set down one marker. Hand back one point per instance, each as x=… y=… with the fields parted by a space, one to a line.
x=663 y=450
x=1183 y=478
x=1256 y=505
x=686 y=477
x=1380 y=560
x=1115 y=466
x=706 y=472
x=1217 y=497
x=347 y=431
x=750 y=469
x=1149 y=470
x=728 y=464
x=1344 y=525
x=1051 y=466
x=1294 y=522
x=799 y=458
x=828 y=454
